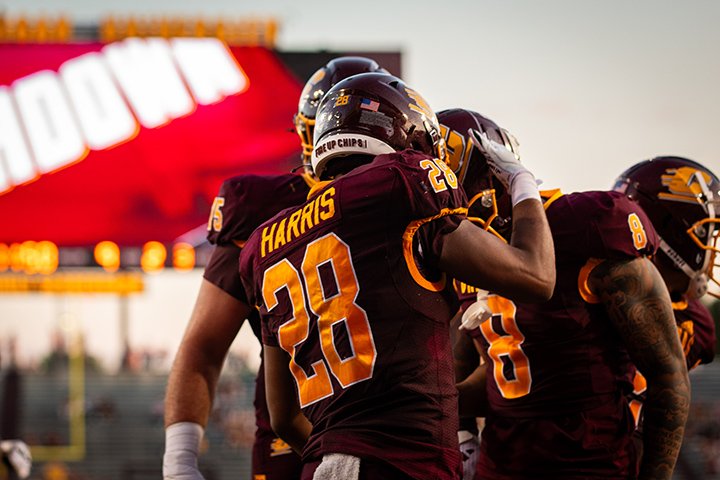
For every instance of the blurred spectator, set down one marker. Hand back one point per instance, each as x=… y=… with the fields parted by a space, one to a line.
x=58 y=360
x=11 y=393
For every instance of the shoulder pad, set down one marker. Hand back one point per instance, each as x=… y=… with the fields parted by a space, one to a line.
x=246 y=201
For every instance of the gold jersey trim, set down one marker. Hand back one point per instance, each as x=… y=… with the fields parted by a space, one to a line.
x=583 y=276
x=550 y=196
x=408 y=236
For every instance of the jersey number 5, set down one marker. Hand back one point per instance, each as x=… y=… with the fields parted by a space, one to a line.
x=331 y=255
x=216 y=217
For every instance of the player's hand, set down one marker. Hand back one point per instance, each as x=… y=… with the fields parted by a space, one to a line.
x=18 y=456
x=506 y=167
x=182 y=445
x=476 y=313
x=502 y=162
x=470 y=450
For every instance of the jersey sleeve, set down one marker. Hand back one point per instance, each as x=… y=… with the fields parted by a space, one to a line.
x=603 y=225
x=246 y=201
x=437 y=203
x=223 y=271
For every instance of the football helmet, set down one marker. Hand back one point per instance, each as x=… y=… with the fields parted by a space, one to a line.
x=490 y=205
x=372 y=114
x=316 y=87
x=682 y=200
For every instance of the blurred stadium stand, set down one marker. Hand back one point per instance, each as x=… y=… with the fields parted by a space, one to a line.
x=123 y=426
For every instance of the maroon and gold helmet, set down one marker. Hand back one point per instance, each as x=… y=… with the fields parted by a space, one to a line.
x=489 y=204
x=682 y=200
x=316 y=87
x=372 y=114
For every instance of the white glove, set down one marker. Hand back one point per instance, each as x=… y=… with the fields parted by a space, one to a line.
x=476 y=313
x=506 y=167
x=182 y=446
x=18 y=455
x=470 y=450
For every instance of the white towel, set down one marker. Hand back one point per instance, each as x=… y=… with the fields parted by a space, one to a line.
x=338 y=466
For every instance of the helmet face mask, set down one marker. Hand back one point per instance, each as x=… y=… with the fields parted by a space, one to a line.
x=682 y=199
x=315 y=89
x=372 y=114
x=489 y=203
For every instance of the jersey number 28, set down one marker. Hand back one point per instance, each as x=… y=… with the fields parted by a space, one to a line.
x=331 y=253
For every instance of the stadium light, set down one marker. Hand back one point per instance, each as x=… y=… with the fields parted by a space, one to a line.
x=107 y=255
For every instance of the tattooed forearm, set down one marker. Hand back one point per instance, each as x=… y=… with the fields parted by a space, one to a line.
x=665 y=413
x=639 y=306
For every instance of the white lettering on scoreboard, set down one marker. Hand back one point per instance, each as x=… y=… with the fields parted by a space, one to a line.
x=50 y=120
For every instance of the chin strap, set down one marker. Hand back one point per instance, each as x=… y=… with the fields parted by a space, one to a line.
x=698 y=280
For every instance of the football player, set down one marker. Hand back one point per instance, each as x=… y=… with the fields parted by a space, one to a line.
x=352 y=293
x=682 y=200
x=243 y=203
x=557 y=374
x=483 y=191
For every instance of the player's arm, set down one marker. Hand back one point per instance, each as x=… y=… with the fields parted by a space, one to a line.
x=470 y=377
x=472 y=393
x=523 y=270
x=465 y=356
x=638 y=303
x=214 y=323
x=286 y=419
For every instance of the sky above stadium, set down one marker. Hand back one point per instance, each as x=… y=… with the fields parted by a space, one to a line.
x=588 y=87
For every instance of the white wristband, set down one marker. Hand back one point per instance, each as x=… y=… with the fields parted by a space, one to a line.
x=182 y=446
x=523 y=186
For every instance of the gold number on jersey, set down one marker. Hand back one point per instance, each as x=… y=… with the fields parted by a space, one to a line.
x=638 y=231
x=438 y=168
x=216 y=217
x=506 y=348
x=313 y=387
x=338 y=308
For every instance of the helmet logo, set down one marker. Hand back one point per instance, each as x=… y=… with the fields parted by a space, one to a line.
x=683 y=185
x=305 y=94
x=420 y=106
x=458 y=150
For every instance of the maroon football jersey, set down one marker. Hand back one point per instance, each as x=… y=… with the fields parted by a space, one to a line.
x=246 y=201
x=557 y=371
x=242 y=204
x=696 y=328
x=466 y=294
x=338 y=287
